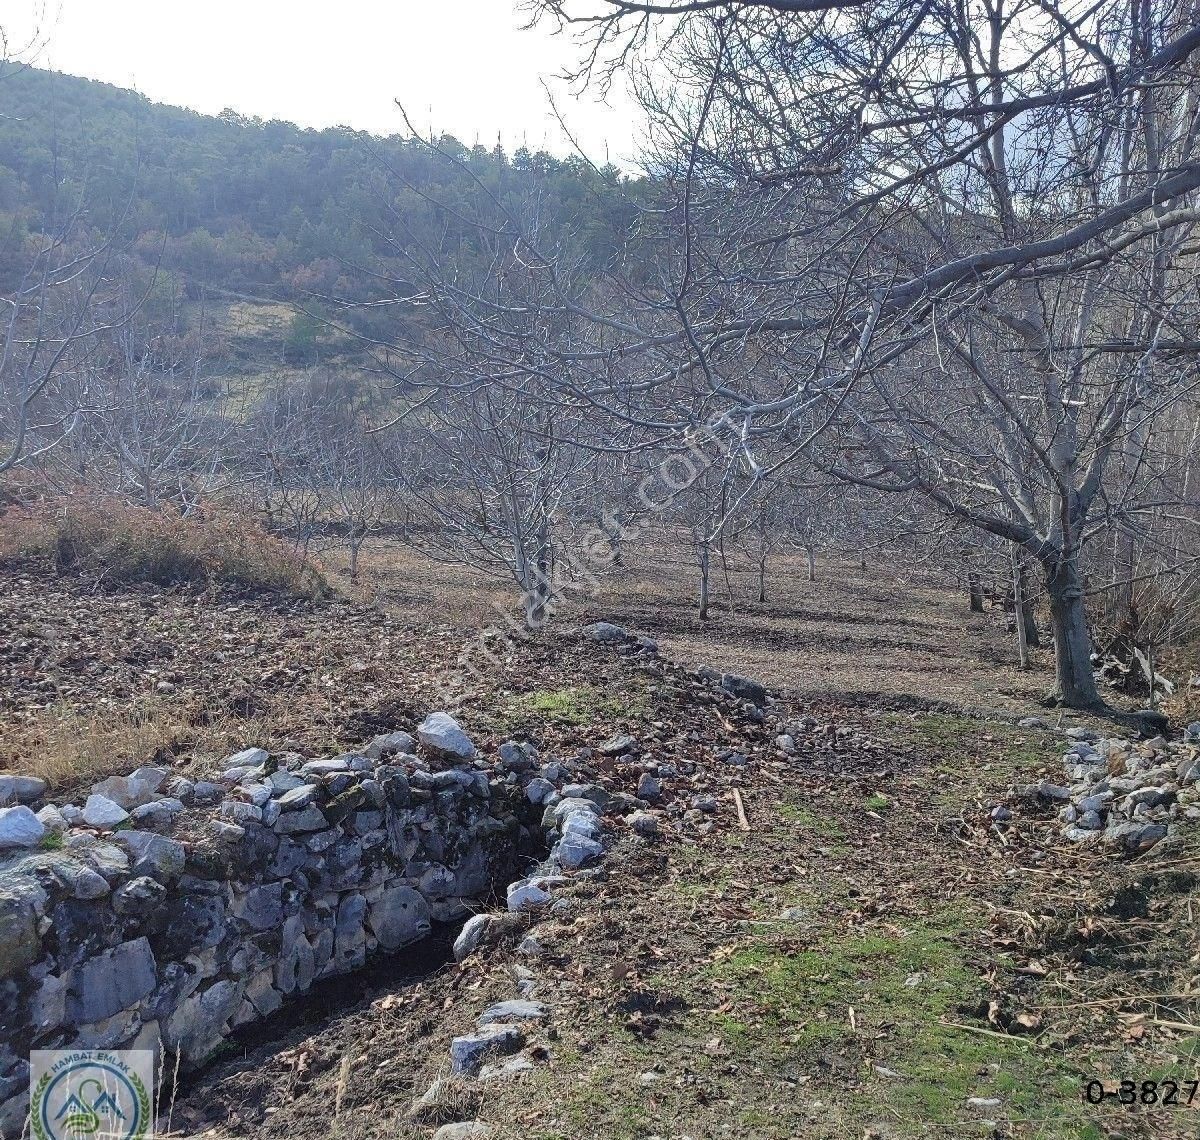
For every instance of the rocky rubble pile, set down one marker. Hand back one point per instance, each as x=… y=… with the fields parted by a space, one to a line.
x=1125 y=796
x=166 y=912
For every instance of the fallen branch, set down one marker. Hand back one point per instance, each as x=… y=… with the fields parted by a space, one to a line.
x=743 y=822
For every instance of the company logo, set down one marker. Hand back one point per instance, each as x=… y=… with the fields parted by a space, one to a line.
x=91 y=1094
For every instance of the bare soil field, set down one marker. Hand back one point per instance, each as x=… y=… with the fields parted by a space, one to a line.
x=868 y=958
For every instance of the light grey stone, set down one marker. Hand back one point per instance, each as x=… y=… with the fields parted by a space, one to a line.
x=153 y=855
x=390 y=743
x=102 y=812
x=467 y=1053
x=526 y=895
x=471 y=936
x=53 y=820
x=295 y=822
x=19 y=827
x=125 y=791
x=248 y=758
x=514 y=1011
x=538 y=789
x=399 y=916
x=441 y=736
x=472 y=1130
x=605 y=632
x=514 y=1067
x=298 y=798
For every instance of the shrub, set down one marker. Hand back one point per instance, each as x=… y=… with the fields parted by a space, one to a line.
x=119 y=544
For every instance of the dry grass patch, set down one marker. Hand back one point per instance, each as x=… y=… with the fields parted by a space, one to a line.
x=70 y=748
x=119 y=545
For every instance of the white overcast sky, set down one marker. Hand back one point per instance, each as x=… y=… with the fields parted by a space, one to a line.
x=462 y=66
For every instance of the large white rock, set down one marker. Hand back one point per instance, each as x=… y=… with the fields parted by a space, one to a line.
x=19 y=827
x=441 y=735
x=100 y=811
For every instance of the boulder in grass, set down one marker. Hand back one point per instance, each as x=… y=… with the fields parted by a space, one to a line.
x=441 y=735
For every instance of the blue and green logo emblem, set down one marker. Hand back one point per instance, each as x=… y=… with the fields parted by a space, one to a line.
x=91 y=1095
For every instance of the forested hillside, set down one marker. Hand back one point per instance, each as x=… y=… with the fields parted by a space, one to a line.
x=262 y=207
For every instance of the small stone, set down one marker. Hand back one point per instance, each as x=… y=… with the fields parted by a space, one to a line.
x=744 y=688
x=89 y=884
x=538 y=789
x=514 y=1011
x=1000 y=814
x=618 y=745
x=227 y=833
x=649 y=787
x=138 y=896
x=19 y=827
x=101 y=812
x=983 y=1102
x=605 y=632
x=645 y=824
x=1032 y=722
x=158 y=815
x=310 y=818
x=514 y=1067
x=248 y=758
x=389 y=745
x=206 y=792
x=470 y=936
x=237 y=811
x=1052 y=792
x=153 y=855
x=475 y=1130
x=441 y=736
x=468 y=1053
x=785 y=743
x=53 y=820
x=526 y=895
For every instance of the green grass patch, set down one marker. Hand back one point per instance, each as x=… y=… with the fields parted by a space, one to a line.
x=808 y=820
x=792 y=1009
x=878 y=802
x=576 y=706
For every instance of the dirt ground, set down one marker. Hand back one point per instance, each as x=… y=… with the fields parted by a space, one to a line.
x=870 y=959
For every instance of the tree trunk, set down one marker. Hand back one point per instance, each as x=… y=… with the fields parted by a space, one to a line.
x=762 y=579
x=1033 y=637
x=1018 y=584
x=703 y=555
x=812 y=563
x=975 y=586
x=1076 y=683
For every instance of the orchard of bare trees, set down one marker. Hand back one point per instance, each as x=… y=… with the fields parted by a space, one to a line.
x=898 y=276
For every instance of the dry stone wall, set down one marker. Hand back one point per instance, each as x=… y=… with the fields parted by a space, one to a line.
x=166 y=913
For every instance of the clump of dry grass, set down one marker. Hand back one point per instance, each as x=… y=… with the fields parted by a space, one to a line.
x=119 y=544
x=71 y=747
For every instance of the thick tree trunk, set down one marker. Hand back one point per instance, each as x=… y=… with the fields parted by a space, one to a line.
x=1076 y=682
x=703 y=556
x=812 y=563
